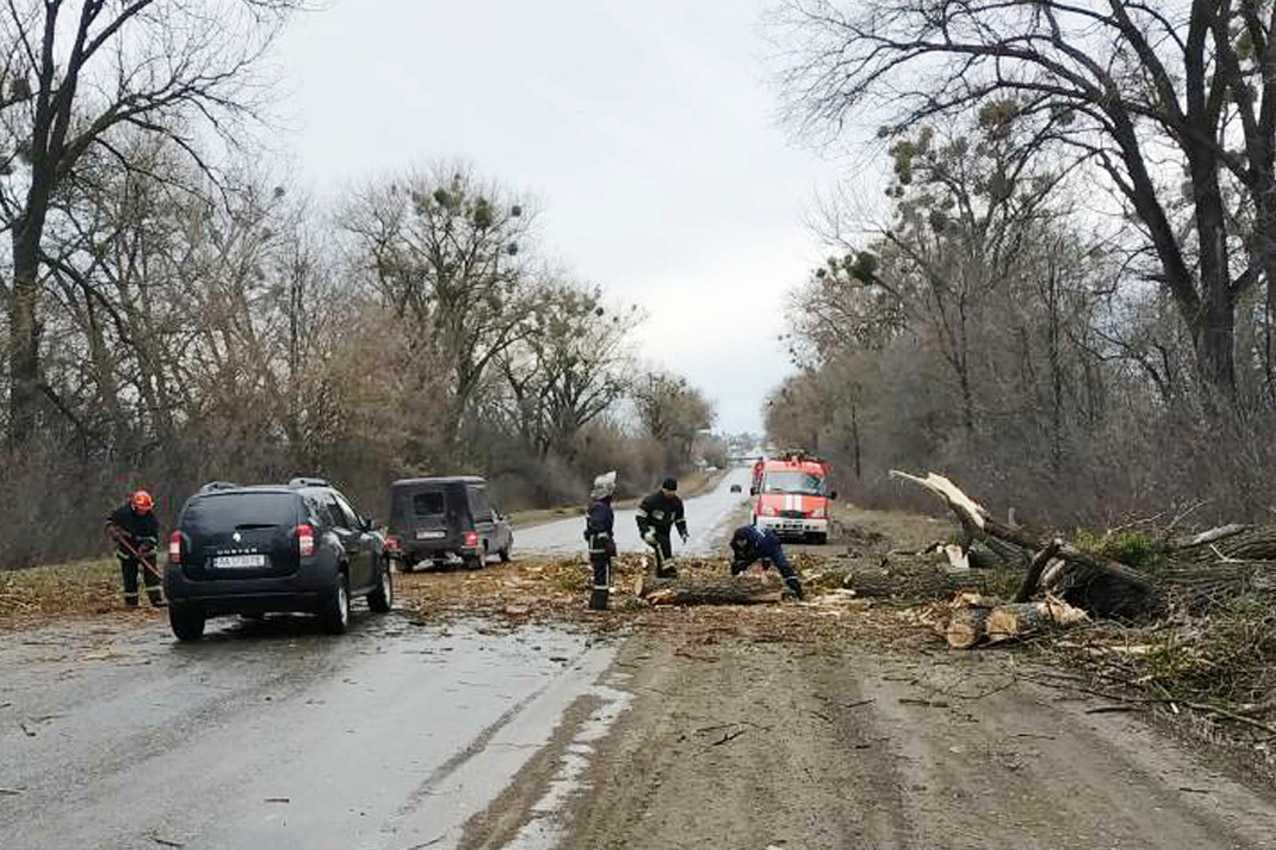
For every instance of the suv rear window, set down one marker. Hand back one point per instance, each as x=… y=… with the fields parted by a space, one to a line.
x=233 y=510
x=428 y=503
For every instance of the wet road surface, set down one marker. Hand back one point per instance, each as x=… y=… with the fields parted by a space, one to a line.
x=708 y=517
x=273 y=735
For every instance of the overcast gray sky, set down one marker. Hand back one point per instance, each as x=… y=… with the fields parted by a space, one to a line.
x=646 y=131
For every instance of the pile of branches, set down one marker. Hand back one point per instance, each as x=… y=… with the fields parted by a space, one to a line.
x=1197 y=574
x=1189 y=623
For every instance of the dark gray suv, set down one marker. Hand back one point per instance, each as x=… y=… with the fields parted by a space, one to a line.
x=263 y=549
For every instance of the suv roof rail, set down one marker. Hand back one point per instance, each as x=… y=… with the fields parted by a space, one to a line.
x=213 y=486
x=308 y=482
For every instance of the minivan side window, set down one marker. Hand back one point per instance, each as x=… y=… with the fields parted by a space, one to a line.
x=351 y=516
x=479 y=506
x=335 y=515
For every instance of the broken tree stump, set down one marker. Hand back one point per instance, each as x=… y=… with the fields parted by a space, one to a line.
x=716 y=590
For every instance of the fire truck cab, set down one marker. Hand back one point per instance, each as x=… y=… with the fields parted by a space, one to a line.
x=791 y=496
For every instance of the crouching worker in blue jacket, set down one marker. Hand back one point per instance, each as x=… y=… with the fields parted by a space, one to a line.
x=748 y=545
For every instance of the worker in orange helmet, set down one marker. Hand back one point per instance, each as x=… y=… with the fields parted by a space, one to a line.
x=135 y=530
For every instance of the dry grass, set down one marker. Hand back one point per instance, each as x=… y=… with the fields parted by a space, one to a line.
x=33 y=597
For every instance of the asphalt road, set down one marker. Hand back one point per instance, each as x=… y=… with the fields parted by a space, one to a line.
x=707 y=519
x=272 y=735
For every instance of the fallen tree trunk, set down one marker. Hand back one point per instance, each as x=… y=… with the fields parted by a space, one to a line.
x=717 y=590
x=904 y=580
x=1229 y=543
x=1096 y=584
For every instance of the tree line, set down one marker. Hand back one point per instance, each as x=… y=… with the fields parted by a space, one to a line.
x=175 y=315
x=1069 y=302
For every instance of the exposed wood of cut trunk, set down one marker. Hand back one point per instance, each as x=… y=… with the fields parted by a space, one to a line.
x=1018 y=620
x=966 y=627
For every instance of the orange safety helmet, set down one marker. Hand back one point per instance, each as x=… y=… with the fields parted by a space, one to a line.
x=142 y=502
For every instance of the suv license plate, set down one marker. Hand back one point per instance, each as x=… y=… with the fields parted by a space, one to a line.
x=429 y=535
x=239 y=562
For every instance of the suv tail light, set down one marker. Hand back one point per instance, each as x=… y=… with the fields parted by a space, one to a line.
x=392 y=543
x=471 y=539
x=305 y=540
x=175 y=548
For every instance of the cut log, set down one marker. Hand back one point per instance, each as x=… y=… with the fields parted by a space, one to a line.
x=966 y=627
x=1016 y=621
x=716 y=590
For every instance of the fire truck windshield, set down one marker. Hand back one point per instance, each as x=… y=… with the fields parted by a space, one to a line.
x=794 y=482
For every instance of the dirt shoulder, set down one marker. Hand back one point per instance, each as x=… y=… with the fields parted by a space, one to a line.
x=733 y=740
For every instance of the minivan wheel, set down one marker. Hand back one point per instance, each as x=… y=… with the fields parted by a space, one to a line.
x=335 y=614
x=187 y=623
x=381 y=599
x=472 y=562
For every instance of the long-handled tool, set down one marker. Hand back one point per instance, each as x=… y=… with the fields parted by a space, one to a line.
x=141 y=559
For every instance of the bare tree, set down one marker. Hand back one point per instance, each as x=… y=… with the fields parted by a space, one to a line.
x=672 y=412
x=1137 y=89
x=446 y=252
x=75 y=78
x=570 y=368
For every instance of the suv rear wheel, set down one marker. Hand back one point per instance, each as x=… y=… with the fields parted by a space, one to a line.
x=187 y=623
x=335 y=613
x=381 y=599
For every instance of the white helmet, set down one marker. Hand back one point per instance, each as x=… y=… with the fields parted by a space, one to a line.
x=604 y=485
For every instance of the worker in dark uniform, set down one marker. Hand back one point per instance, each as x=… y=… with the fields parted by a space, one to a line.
x=135 y=530
x=657 y=516
x=749 y=544
x=600 y=534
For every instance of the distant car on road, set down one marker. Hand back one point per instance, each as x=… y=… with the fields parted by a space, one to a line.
x=735 y=488
x=445 y=519
x=299 y=547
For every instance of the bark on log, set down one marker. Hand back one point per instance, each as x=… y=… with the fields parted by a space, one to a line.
x=902 y=579
x=1016 y=621
x=723 y=590
x=966 y=627
x=1229 y=544
x=1033 y=577
x=1098 y=585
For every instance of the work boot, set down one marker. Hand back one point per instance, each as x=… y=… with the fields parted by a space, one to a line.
x=598 y=600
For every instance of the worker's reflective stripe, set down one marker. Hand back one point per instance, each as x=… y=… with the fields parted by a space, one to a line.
x=643 y=512
x=130 y=595
x=602 y=587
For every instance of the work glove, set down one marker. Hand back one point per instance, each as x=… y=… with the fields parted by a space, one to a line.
x=649 y=537
x=685 y=537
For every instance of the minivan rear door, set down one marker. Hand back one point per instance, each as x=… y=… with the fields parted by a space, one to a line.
x=425 y=510
x=484 y=522
x=240 y=535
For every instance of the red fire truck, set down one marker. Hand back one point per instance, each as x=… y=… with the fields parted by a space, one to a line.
x=791 y=496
